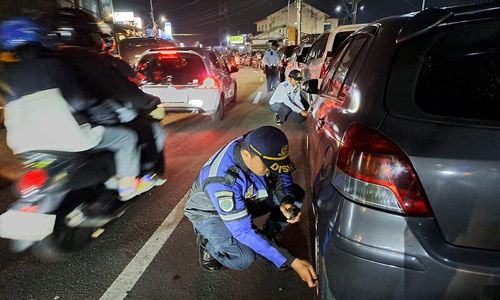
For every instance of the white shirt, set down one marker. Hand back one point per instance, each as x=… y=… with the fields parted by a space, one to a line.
x=287 y=94
x=43 y=121
x=271 y=58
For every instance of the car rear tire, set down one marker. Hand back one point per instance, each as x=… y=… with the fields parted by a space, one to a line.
x=235 y=95
x=219 y=114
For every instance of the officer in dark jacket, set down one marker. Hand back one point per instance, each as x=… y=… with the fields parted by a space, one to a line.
x=247 y=177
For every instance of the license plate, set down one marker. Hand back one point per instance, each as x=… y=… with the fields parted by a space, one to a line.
x=26 y=226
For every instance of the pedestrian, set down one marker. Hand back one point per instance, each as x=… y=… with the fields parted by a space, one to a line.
x=270 y=62
x=247 y=178
x=286 y=101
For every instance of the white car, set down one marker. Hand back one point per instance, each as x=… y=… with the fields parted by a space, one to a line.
x=189 y=80
x=324 y=48
x=296 y=61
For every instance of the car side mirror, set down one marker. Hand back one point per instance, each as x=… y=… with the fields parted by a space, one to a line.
x=311 y=86
x=234 y=69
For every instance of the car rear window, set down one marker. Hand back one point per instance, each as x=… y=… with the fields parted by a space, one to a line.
x=449 y=74
x=172 y=68
x=460 y=75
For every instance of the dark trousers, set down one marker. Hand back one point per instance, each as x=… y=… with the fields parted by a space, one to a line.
x=151 y=137
x=285 y=113
x=229 y=251
x=272 y=77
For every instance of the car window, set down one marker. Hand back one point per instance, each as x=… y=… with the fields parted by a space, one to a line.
x=337 y=86
x=339 y=38
x=318 y=47
x=460 y=73
x=172 y=68
x=332 y=67
x=223 y=65
x=214 y=60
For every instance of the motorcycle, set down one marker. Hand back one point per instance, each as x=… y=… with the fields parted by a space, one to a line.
x=63 y=202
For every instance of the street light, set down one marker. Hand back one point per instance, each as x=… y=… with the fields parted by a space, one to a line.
x=362 y=8
x=338 y=8
x=163 y=19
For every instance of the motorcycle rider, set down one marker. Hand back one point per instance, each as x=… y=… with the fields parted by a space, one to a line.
x=123 y=103
x=37 y=114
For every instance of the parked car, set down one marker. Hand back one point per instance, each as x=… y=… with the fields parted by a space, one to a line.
x=403 y=144
x=323 y=49
x=284 y=54
x=131 y=49
x=189 y=80
x=297 y=59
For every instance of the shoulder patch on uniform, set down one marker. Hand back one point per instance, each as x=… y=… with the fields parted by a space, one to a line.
x=286 y=84
x=225 y=199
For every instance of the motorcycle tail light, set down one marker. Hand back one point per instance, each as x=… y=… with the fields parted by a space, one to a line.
x=31 y=181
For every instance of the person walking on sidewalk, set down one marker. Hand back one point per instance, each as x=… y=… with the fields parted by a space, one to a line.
x=270 y=62
x=286 y=101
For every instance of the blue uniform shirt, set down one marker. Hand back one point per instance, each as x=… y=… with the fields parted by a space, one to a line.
x=229 y=186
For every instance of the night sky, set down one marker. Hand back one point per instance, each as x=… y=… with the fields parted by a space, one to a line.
x=217 y=18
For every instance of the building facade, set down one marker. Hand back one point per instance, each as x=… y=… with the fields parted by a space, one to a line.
x=274 y=26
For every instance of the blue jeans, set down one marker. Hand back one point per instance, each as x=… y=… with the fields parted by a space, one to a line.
x=272 y=77
x=229 y=251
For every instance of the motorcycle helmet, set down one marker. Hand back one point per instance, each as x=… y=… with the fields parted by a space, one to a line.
x=18 y=32
x=77 y=28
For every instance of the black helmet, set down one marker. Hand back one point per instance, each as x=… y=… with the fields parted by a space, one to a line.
x=77 y=28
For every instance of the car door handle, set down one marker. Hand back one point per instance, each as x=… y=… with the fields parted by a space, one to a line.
x=320 y=124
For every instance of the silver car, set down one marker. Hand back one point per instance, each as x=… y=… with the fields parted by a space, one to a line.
x=189 y=80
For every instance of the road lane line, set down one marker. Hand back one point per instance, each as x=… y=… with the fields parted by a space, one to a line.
x=134 y=270
x=257 y=97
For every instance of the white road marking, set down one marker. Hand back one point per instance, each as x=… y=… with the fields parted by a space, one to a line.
x=134 y=270
x=257 y=97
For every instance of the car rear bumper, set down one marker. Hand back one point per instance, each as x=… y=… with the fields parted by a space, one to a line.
x=371 y=254
x=186 y=100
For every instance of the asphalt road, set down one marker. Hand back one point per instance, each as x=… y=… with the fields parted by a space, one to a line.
x=173 y=272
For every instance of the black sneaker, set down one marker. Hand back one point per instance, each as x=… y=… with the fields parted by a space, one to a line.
x=207 y=261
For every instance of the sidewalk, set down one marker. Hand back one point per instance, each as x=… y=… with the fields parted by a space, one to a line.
x=10 y=167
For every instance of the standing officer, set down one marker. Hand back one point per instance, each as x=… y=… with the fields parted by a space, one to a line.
x=271 y=61
x=245 y=179
x=286 y=101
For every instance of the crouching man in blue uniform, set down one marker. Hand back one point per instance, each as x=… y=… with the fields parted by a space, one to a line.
x=248 y=177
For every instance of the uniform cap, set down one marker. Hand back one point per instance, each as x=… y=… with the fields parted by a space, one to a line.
x=271 y=145
x=295 y=74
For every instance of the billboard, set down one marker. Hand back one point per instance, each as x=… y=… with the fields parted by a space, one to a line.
x=167 y=31
x=236 y=39
x=125 y=16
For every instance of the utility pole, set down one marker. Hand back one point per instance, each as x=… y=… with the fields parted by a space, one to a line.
x=354 y=10
x=423 y=4
x=299 y=21
x=152 y=14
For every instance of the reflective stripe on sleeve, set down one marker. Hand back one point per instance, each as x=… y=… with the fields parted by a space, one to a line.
x=217 y=161
x=235 y=216
x=261 y=194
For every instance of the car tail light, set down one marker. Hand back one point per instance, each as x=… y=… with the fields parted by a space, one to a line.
x=208 y=83
x=169 y=55
x=31 y=181
x=373 y=171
